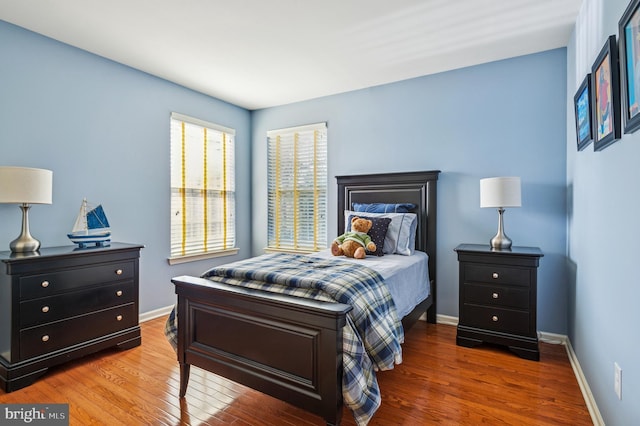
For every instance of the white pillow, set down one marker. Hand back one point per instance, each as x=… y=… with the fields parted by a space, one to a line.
x=401 y=234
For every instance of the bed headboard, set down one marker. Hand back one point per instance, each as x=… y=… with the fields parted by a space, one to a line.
x=419 y=188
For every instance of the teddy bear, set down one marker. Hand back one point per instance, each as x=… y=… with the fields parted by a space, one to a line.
x=353 y=243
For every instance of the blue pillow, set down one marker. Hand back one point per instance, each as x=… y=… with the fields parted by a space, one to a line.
x=377 y=232
x=384 y=207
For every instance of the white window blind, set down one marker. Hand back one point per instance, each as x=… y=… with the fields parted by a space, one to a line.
x=202 y=187
x=297 y=184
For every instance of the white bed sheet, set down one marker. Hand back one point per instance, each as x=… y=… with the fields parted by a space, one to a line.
x=406 y=277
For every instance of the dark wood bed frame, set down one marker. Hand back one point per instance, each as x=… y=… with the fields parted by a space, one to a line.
x=284 y=346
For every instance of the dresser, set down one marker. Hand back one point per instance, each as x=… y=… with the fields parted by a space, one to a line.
x=498 y=297
x=63 y=303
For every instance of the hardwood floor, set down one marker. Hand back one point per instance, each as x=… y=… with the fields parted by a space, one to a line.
x=438 y=383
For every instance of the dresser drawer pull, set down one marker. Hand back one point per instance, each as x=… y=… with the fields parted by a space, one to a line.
x=119 y=293
x=45 y=284
x=45 y=309
x=119 y=317
x=495 y=295
x=45 y=338
x=495 y=275
x=118 y=271
x=494 y=318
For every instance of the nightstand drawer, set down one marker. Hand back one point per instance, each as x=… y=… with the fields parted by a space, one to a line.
x=495 y=295
x=496 y=319
x=63 y=334
x=496 y=274
x=53 y=308
x=42 y=285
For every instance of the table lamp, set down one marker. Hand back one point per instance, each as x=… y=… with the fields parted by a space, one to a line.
x=25 y=186
x=500 y=192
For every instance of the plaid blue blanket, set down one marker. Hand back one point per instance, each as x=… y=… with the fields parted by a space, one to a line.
x=373 y=334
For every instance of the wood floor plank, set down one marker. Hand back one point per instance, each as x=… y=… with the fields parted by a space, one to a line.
x=437 y=383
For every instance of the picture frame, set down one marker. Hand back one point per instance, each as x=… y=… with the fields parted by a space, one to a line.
x=606 y=99
x=629 y=36
x=582 y=107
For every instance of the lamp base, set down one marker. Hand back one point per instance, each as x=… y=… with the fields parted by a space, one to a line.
x=25 y=243
x=500 y=241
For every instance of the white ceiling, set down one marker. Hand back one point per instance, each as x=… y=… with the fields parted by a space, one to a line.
x=262 y=53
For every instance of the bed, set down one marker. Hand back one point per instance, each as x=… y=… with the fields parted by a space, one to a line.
x=239 y=333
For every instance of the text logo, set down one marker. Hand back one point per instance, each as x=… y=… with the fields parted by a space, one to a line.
x=37 y=414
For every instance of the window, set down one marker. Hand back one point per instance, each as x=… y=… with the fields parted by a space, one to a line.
x=297 y=182
x=202 y=189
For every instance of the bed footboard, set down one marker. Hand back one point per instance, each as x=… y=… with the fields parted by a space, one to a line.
x=284 y=346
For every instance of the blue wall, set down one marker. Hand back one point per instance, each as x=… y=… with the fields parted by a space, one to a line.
x=603 y=229
x=103 y=128
x=62 y=106
x=501 y=118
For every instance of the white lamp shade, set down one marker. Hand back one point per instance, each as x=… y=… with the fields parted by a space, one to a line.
x=500 y=192
x=20 y=185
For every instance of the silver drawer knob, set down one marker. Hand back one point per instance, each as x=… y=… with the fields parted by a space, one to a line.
x=45 y=309
x=45 y=338
x=118 y=271
x=495 y=295
x=119 y=317
x=45 y=284
x=119 y=293
x=494 y=318
x=495 y=275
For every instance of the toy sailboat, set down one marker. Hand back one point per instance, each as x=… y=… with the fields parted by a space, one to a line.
x=91 y=226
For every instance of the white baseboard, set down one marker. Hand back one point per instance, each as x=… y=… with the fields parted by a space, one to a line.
x=146 y=316
x=441 y=319
x=553 y=338
x=596 y=417
x=446 y=319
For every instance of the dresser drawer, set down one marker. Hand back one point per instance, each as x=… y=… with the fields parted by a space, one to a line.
x=42 y=285
x=496 y=295
x=53 y=308
x=496 y=319
x=63 y=334
x=496 y=274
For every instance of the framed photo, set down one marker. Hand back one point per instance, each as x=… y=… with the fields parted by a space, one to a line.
x=629 y=32
x=606 y=100
x=582 y=108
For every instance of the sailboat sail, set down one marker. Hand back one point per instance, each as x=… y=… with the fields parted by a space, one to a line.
x=80 y=224
x=96 y=219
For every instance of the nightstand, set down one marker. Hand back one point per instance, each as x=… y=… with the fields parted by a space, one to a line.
x=62 y=303
x=498 y=291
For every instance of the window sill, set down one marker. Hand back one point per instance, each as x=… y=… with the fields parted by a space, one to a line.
x=292 y=250
x=202 y=256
